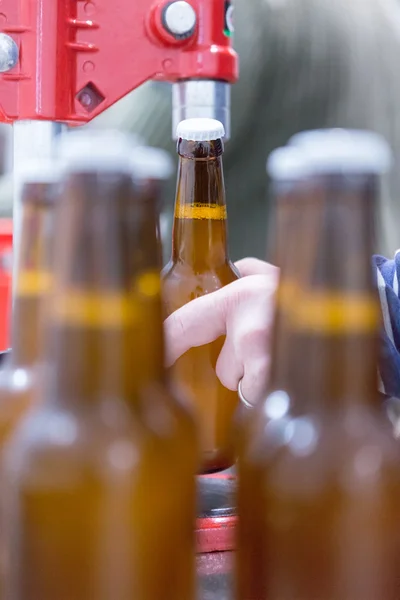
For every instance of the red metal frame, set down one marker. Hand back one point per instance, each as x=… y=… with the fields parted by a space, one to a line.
x=216 y=534
x=78 y=57
x=6 y=236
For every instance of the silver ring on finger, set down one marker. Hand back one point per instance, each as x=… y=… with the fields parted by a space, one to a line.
x=241 y=396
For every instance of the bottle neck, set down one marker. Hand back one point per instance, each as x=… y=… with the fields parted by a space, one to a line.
x=27 y=330
x=99 y=309
x=325 y=346
x=200 y=219
x=146 y=284
x=33 y=277
x=92 y=361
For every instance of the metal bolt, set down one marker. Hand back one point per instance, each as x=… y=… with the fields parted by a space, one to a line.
x=180 y=19
x=85 y=99
x=9 y=53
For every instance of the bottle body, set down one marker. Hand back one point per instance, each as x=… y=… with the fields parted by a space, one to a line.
x=93 y=513
x=200 y=265
x=195 y=372
x=318 y=499
x=319 y=515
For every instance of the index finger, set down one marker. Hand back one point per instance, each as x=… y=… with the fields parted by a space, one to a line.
x=254 y=266
x=197 y=323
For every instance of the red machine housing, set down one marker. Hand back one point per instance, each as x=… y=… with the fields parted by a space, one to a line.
x=216 y=531
x=78 y=57
x=6 y=243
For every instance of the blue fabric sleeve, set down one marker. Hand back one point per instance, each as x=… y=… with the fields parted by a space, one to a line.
x=387 y=278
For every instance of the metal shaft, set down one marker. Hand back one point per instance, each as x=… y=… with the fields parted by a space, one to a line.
x=202 y=98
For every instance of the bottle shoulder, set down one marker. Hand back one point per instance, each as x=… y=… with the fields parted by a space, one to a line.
x=355 y=448
x=51 y=440
x=182 y=283
x=168 y=414
x=226 y=271
x=18 y=393
x=97 y=440
x=17 y=377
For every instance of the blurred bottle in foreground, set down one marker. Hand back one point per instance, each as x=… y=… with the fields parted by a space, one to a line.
x=89 y=505
x=20 y=374
x=319 y=496
x=159 y=408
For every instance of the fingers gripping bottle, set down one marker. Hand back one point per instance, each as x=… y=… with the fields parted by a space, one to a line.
x=199 y=265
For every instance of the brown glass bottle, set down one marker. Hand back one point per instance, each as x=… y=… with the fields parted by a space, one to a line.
x=319 y=471
x=19 y=377
x=158 y=404
x=199 y=265
x=92 y=511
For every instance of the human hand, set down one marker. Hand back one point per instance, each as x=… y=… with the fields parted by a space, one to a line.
x=243 y=311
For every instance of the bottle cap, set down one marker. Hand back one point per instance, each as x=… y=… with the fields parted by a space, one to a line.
x=95 y=150
x=287 y=164
x=344 y=150
x=200 y=130
x=151 y=163
x=38 y=170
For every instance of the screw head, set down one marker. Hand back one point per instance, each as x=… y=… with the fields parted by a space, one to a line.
x=9 y=53
x=179 y=19
x=85 y=99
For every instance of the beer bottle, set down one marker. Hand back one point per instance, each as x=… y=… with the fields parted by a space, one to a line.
x=19 y=376
x=319 y=499
x=199 y=265
x=289 y=184
x=89 y=499
x=151 y=168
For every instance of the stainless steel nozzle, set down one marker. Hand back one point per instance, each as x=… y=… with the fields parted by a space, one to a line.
x=201 y=98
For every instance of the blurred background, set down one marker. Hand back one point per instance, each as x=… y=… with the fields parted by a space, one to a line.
x=305 y=64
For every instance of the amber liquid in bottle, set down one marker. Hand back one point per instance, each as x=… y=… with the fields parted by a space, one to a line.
x=93 y=508
x=199 y=265
x=19 y=377
x=319 y=494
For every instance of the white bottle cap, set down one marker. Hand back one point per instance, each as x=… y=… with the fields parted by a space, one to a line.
x=96 y=150
x=200 y=130
x=151 y=163
x=344 y=150
x=37 y=170
x=287 y=164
